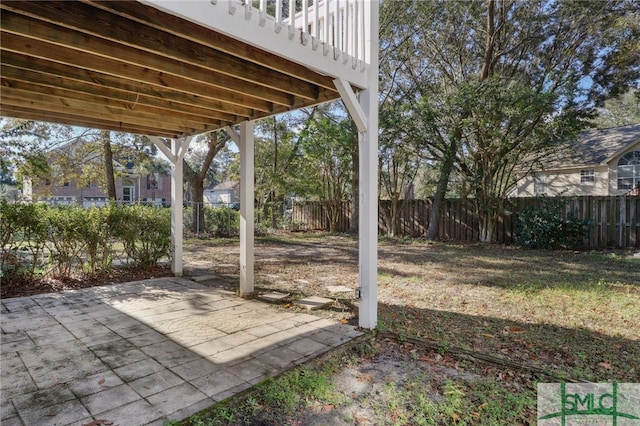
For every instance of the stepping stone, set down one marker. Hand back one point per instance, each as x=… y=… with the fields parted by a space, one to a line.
x=274 y=297
x=202 y=278
x=314 y=302
x=339 y=289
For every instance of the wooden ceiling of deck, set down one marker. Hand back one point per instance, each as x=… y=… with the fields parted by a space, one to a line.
x=126 y=66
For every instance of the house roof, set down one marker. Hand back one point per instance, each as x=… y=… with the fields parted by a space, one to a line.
x=594 y=147
x=224 y=186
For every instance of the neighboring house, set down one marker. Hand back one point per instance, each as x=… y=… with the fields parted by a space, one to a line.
x=225 y=193
x=130 y=188
x=602 y=162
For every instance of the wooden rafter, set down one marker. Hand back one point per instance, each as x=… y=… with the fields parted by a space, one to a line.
x=130 y=67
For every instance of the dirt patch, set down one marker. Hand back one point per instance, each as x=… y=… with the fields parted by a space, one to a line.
x=19 y=287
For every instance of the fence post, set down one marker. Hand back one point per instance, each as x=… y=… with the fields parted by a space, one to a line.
x=623 y=221
x=197 y=210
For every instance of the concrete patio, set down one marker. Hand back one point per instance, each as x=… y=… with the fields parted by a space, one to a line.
x=144 y=352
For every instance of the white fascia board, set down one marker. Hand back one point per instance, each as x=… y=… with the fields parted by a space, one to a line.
x=246 y=27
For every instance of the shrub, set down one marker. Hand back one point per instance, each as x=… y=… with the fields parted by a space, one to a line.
x=546 y=226
x=145 y=232
x=24 y=235
x=78 y=239
x=98 y=239
x=222 y=221
x=67 y=226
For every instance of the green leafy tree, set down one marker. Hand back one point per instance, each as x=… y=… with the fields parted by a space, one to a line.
x=619 y=111
x=197 y=169
x=23 y=148
x=399 y=162
x=493 y=84
x=328 y=144
x=278 y=163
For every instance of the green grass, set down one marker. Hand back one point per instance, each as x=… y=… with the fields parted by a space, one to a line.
x=422 y=399
x=276 y=398
x=572 y=314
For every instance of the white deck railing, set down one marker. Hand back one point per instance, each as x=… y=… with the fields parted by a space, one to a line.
x=330 y=36
x=337 y=26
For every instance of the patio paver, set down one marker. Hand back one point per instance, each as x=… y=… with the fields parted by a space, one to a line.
x=143 y=352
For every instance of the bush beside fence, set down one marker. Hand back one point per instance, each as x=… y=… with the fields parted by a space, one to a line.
x=220 y=220
x=614 y=221
x=60 y=241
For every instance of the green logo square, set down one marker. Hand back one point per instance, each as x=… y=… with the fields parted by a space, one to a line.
x=574 y=404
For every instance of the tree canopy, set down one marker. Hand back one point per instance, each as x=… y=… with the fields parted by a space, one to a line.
x=484 y=86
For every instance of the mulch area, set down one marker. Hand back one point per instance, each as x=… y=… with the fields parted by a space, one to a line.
x=25 y=286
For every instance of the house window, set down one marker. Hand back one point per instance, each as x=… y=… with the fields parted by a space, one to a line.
x=65 y=184
x=128 y=191
x=587 y=176
x=539 y=184
x=629 y=170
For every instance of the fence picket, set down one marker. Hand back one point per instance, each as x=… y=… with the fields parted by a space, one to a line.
x=616 y=221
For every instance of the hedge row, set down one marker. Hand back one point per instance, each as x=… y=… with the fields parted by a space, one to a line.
x=60 y=241
x=218 y=221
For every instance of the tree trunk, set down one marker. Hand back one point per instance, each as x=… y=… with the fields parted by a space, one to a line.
x=446 y=167
x=487 y=227
x=196 y=181
x=394 y=228
x=108 y=164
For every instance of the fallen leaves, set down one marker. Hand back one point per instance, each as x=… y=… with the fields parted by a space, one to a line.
x=604 y=364
x=365 y=378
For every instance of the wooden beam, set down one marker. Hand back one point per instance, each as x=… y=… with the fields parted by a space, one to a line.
x=188 y=30
x=83 y=60
x=53 y=104
x=64 y=75
x=247 y=196
x=351 y=102
x=47 y=39
x=75 y=120
x=124 y=107
x=96 y=22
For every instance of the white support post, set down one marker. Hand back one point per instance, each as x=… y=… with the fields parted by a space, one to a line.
x=246 y=208
x=175 y=156
x=368 y=145
x=176 y=210
x=178 y=149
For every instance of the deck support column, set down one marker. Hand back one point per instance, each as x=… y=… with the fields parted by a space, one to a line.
x=368 y=220
x=175 y=155
x=244 y=140
x=368 y=145
x=177 y=199
x=363 y=109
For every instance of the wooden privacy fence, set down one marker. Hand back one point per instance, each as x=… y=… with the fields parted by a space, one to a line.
x=615 y=221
